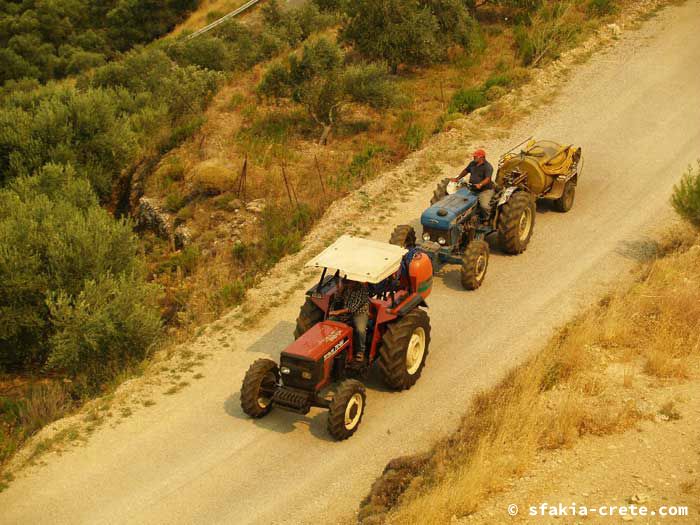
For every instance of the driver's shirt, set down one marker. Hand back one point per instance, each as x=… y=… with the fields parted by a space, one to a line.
x=478 y=173
x=356 y=299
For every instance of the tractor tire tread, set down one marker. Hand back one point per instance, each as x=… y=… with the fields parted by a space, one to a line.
x=471 y=254
x=336 y=410
x=404 y=236
x=440 y=191
x=251 y=385
x=309 y=315
x=509 y=222
x=392 y=352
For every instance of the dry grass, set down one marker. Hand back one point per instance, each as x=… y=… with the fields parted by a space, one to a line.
x=207 y=10
x=565 y=392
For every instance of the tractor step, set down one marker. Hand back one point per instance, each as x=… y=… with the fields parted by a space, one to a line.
x=293 y=400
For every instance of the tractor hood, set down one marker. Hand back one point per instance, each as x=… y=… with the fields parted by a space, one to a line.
x=444 y=212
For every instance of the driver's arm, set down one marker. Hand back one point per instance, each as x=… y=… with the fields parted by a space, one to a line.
x=464 y=173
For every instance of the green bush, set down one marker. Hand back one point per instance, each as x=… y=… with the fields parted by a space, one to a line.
x=414 y=136
x=467 y=100
x=686 y=196
x=232 y=294
x=205 y=51
x=601 y=7
x=109 y=326
x=59 y=251
x=544 y=33
x=408 y=36
x=46 y=40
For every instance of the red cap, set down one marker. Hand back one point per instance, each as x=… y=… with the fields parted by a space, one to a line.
x=480 y=154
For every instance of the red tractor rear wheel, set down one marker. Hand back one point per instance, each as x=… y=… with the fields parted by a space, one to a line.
x=404 y=349
x=346 y=410
x=259 y=384
x=309 y=315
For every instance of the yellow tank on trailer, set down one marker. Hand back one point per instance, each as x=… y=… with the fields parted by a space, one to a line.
x=550 y=170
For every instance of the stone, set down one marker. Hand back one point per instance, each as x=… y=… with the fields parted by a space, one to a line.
x=256 y=206
x=152 y=217
x=615 y=29
x=182 y=236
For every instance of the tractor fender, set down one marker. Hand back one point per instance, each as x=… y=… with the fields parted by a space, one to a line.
x=506 y=195
x=414 y=302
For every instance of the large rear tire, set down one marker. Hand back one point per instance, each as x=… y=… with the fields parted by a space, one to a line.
x=516 y=223
x=474 y=264
x=404 y=349
x=566 y=201
x=404 y=236
x=440 y=191
x=259 y=384
x=346 y=409
x=309 y=315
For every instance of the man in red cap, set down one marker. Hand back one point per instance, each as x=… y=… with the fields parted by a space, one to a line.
x=480 y=172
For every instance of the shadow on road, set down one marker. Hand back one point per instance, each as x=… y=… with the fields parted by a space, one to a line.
x=282 y=421
x=275 y=340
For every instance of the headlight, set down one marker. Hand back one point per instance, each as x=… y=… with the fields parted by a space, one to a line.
x=285 y=370
x=442 y=241
x=426 y=236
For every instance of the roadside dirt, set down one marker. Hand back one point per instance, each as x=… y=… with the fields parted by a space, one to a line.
x=193 y=456
x=656 y=464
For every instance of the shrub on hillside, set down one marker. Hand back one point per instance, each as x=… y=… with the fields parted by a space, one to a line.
x=601 y=7
x=397 y=31
x=46 y=40
x=321 y=81
x=686 y=196
x=54 y=241
x=545 y=32
x=467 y=100
x=109 y=326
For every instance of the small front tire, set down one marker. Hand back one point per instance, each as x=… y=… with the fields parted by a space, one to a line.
x=259 y=385
x=346 y=409
x=566 y=201
x=474 y=264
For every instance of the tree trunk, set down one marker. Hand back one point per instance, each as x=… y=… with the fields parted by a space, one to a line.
x=324 y=136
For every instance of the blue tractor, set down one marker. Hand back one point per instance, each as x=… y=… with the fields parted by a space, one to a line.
x=454 y=231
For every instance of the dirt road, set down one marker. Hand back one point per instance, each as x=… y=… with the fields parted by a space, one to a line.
x=193 y=457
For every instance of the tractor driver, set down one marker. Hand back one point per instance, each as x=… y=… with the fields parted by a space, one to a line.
x=480 y=172
x=354 y=299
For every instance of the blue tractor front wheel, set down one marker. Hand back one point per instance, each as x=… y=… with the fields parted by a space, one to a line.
x=475 y=262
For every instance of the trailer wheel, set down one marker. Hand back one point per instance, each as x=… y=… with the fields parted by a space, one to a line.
x=566 y=201
x=309 y=315
x=440 y=191
x=516 y=222
x=259 y=384
x=404 y=236
x=474 y=264
x=346 y=409
x=404 y=349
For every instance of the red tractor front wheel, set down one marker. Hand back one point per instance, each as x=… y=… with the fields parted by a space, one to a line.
x=259 y=384
x=346 y=409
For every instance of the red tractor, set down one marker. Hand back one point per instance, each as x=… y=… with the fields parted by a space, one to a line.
x=397 y=336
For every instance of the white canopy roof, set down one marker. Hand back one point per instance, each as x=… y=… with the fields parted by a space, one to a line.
x=361 y=260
